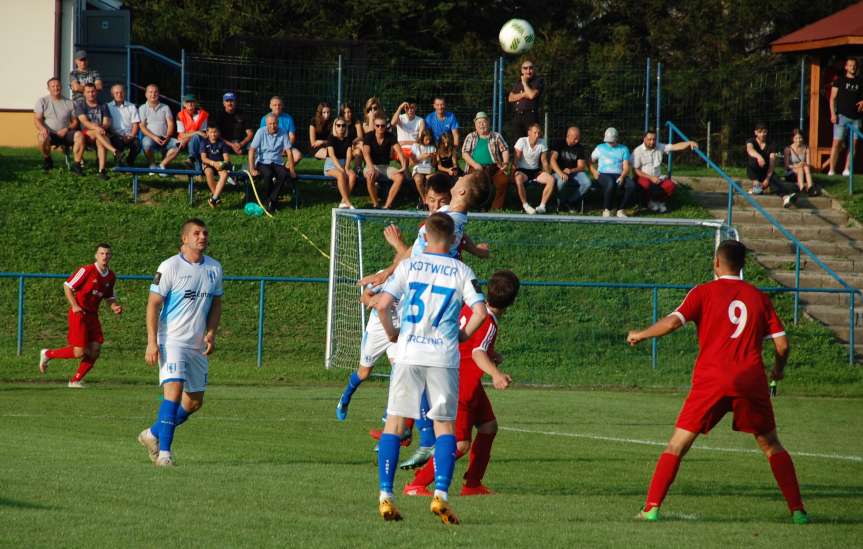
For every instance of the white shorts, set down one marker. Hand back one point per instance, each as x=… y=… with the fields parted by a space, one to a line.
x=375 y=342
x=182 y=364
x=407 y=383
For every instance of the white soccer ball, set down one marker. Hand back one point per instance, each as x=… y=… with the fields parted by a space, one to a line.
x=516 y=36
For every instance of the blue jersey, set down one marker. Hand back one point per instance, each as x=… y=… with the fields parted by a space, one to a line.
x=459 y=219
x=432 y=289
x=188 y=290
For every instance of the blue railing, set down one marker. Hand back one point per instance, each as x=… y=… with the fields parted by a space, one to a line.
x=853 y=135
x=263 y=280
x=734 y=187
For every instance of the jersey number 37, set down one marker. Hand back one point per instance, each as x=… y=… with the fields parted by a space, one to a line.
x=418 y=302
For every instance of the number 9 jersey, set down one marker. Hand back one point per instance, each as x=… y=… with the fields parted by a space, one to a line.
x=431 y=289
x=733 y=319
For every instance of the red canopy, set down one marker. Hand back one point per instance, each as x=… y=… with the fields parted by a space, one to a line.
x=843 y=28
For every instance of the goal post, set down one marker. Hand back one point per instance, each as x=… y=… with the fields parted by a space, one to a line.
x=552 y=254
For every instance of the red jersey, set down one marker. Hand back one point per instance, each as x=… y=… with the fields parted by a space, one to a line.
x=91 y=287
x=469 y=373
x=733 y=319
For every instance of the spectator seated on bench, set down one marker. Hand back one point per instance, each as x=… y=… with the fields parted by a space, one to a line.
x=531 y=166
x=267 y=153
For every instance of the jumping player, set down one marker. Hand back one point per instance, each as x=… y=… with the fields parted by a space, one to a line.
x=183 y=314
x=733 y=318
x=431 y=287
x=85 y=289
x=474 y=409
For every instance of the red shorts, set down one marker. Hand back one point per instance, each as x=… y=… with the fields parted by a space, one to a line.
x=472 y=412
x=84 y=328
x=706 y=406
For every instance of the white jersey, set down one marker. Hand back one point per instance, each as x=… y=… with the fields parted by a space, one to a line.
x=459 y=220
x=188 y=290
x=432 y=288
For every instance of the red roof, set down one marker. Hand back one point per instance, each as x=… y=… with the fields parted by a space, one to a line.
x=843 y=28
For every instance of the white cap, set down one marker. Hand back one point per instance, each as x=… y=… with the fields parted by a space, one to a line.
x=610 y=135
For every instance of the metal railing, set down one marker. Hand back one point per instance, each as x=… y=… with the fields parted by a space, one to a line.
x=178 y=65
x=853 y=135
x=733 y=188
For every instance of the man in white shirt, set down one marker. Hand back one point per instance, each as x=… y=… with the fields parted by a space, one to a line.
x=647 y=162
x=125 y=122
x=183 y=313
x=531 y=161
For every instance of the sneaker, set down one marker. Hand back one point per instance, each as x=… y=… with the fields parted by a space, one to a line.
x=161 y=167
x=76 y=385
x=341 y=411
x=756 y=189
x=417 y=490
x=388 y=510
x=662 y=207
x=76 y=169
x=846 y=173
x=418 y=459
x=476 y=491
x=213 y=202
x=606 y=213
x=47 y=164
x=231 y=181
x=648 y=516
x=151 y=443
x=814 y=191
x=831 y=173
x=103 y=174
x=43 y=360
x=442 y=509
x=345 y=206
x=540 y=209
x=621 y=214
x=167 y=461
x=800 y=517
x=788 y=200
x=653 y=206
x=528 y=209
x=153 y=167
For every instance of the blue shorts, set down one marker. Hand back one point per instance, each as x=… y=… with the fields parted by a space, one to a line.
x=328 y=164
x=840 y=130
x=148 y=145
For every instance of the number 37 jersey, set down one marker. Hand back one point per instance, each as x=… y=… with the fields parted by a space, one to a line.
x=431 y=289
x=733 y=319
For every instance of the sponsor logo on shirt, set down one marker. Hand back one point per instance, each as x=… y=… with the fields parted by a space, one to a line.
x=193 y=294
x=423 y=340
x=434 y=268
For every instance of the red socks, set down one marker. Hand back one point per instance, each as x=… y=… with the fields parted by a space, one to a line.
x=786 y=478
x=63 y=352
x=86 y=365
x=663 y=476
x=480 y=453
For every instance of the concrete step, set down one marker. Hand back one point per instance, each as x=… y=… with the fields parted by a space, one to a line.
x=831 y=299
x=786 y=216
x=779 y=245
x=841 y=265
x=805 y=233
x=720 y=199
x=842 y=333
x=834 y=315
x=809 y=279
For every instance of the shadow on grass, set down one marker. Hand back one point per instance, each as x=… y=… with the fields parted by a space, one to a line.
x=15 y=504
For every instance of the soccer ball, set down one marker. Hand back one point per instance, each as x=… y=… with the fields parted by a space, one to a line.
x=516 y=36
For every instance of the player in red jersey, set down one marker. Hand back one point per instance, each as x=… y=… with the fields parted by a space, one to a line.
x=85 y=289
x=733 y=319
x=474 y=408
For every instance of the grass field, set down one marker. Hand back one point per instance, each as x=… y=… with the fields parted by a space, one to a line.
x=270 y=466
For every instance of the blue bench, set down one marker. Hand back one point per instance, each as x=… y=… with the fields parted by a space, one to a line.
x=191 y=174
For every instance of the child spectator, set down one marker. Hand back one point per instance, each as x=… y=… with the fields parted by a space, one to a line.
x=797 y=164
x=216 y=159
x=447 y=156
x=320 y=130
x=424 y=155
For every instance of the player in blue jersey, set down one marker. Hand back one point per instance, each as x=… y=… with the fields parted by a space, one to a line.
x=183 y=313
x=431 y=288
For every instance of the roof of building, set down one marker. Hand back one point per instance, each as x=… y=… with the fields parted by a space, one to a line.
x=843 y=28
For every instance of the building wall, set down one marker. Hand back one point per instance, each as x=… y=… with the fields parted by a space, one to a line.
x=17 y=129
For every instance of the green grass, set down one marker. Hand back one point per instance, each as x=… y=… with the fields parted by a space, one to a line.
x=270 y=466
x=565 y=337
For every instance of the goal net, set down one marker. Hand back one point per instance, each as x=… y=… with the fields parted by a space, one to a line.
x=585 y=281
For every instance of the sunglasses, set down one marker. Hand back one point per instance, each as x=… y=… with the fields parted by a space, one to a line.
x=527 y=68
x=380 y=125
x=339 y=125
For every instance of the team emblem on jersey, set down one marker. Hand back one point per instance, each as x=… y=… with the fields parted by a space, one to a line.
x=157 y=278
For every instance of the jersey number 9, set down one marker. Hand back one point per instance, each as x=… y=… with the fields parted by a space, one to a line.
x=737 y=314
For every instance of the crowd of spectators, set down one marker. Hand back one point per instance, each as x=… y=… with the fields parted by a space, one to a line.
x=384 y=150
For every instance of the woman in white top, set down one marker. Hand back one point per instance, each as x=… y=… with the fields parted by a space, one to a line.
x=408 y=126
x=531 y=161
x=797 y=164
x=424 y=154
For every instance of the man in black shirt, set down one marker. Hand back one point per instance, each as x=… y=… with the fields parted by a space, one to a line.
x=378 y=148
x=525 y=97
x=569 y=162
x=235 y=129
x=846 y=103
x=759 y=170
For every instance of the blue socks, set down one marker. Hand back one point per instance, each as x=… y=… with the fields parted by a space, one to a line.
x=167 y=424
x=444 y=461
x=353 y=384
x=180 y=418
x=425 y=425
x=388 y=460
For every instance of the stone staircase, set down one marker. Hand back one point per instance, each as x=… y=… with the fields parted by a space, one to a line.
x=821 y=225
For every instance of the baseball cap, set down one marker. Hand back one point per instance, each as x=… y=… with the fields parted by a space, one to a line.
x=80 y=54
x=229 y=96
x=611 y=135
x=480 y=114
x=189 y=97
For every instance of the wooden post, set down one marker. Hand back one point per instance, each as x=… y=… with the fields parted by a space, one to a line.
x=814 y=101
